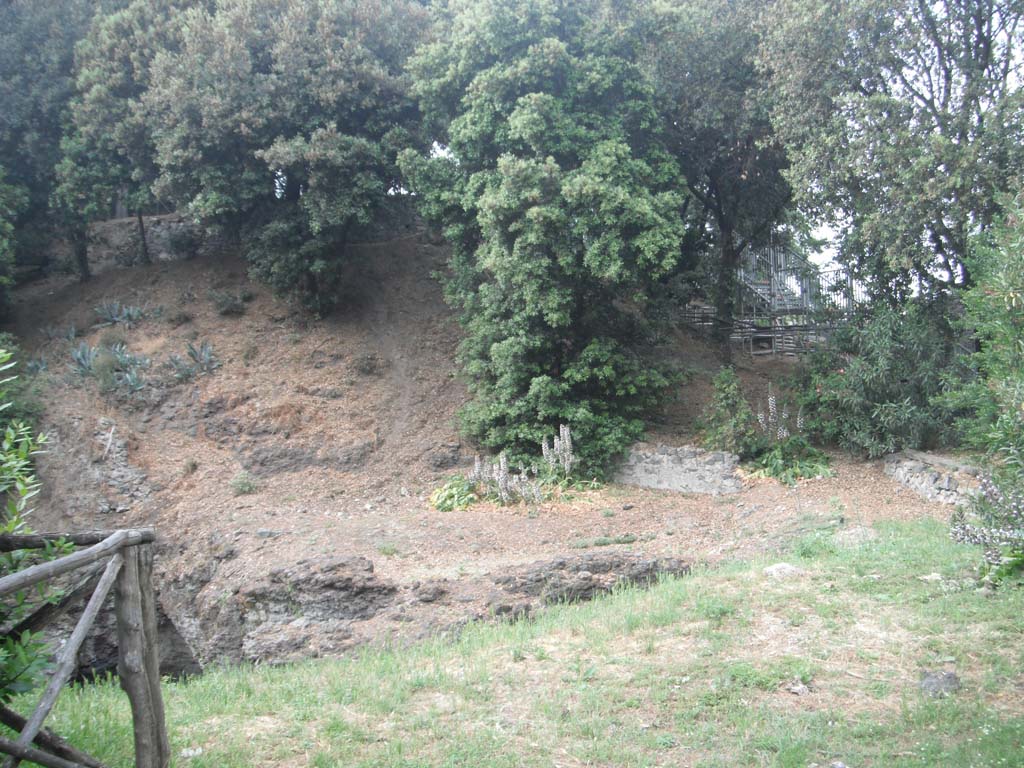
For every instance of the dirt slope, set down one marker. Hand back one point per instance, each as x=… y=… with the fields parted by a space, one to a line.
x=345 y=425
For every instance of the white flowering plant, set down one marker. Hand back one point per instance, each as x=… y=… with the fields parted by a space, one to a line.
x=995 y=522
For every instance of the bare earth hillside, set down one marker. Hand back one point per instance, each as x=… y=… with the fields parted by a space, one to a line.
x=343 y=427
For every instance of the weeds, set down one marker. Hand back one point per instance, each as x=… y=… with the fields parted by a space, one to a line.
x=456 y=493
x=243 y=484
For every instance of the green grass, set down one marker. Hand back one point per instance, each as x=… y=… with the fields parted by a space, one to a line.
x=689 y=673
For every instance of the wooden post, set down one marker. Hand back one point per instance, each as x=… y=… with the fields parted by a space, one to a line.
x=136 y=641
x=149 y=623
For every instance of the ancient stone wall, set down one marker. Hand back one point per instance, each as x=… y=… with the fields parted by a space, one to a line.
x=684 y=468
x=938 y=478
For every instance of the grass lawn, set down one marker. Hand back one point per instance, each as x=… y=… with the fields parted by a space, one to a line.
x=694 y=672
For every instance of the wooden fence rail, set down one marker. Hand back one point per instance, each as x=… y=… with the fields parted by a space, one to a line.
x=128 y=569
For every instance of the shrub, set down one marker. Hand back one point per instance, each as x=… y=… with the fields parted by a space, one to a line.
x=792 y=459
x=728 y=422
x=990 y=403
x=227 y=303
x=456 y=493
x=872 y=391
x=25 y=656
x=184 y=241
x=243 y=483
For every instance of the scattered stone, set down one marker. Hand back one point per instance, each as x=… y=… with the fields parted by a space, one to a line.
x=854 y=536
x=188 y=752
x=939 y=684
x=797 y=687
x=930 y=577
x=783 y=571
x=266 y=533
x=626 y=507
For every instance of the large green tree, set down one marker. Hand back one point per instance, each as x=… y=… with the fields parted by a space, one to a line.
x=905 y=124
x=108 y=154
x=702 y=61
x=37 y=40
x=552 y=182
x=284 y=120
x=12 y=201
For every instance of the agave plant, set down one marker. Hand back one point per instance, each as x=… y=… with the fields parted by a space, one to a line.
x=204 y=358
x=84 y=358
x=180 y=369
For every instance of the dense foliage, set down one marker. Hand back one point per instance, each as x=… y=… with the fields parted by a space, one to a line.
x=562 y=205
x=23 y=653
x=904 y=121
x=594 y=165
x=872 y=390
x=284 y=120
x=993 y=400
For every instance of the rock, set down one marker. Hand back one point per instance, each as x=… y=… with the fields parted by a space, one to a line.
x=571 y=579
x=684 y=468
x=854 y=536
x=430 y=592
x=445 y=456
x=783 y=571
x=936 y=478
x=939 y=684
x=797 y=687
x=930 y=577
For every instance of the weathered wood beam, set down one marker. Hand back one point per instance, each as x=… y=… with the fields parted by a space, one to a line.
x=68 y=657
x=36 y=756
x=47 y=612
x=48 y=740
x=150 y=627
x=11 y=542
x=37 y=573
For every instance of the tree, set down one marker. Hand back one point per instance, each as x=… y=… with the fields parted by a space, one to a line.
x=905 y=124
x=12 y=201
x=284 y=120
x=702 y=61
x=108 y=153
x=553 y=185
x=36 y=85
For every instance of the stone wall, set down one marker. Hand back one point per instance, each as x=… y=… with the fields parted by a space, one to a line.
x=685 y=468
x=938 y=478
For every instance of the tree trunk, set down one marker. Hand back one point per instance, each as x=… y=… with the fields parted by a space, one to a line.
x=143 y=248
x=725 y=295
x=80 y=245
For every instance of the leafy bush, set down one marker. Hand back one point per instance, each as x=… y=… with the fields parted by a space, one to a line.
x=227 y=303
x=728 y=423
x=23 y=656
x=872 y=391
x=456 y=493
x=792 y=459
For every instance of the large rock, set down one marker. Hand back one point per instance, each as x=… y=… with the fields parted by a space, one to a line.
x=572 y=579
x=685 y=468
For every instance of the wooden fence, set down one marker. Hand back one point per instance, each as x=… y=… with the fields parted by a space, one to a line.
x=122 y=560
